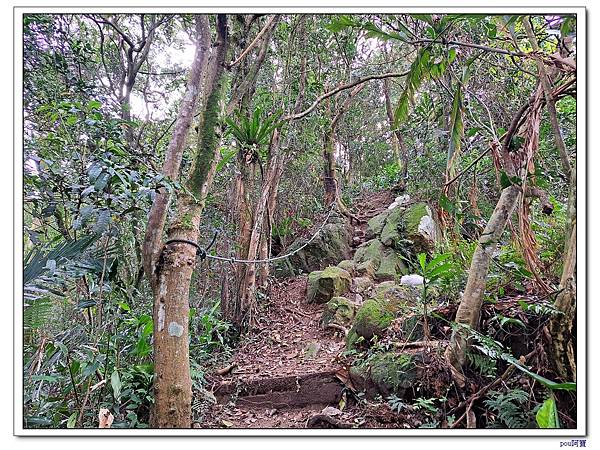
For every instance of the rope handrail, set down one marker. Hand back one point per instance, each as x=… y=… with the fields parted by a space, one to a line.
x=203 y=253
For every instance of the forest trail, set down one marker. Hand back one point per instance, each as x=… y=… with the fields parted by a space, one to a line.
x=290 y=368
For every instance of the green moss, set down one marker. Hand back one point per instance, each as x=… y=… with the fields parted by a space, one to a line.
x=392 y=232
x=338 y=310
x=385 y=374
x=375 y=224
x=413 y=215
x=372 y=319
x=208 y=141
x=370 y=250
x=326 y=284
x=348 y=265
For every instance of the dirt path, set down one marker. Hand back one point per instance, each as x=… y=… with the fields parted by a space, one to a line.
x=290 y=368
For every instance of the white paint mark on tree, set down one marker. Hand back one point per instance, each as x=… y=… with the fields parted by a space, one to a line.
x=161 y=317
x=175 y=329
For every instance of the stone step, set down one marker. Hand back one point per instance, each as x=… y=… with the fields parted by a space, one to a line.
x=320 y=388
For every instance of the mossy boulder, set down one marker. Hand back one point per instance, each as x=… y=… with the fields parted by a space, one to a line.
x=338 y=310
x=323 y=285
x=421 y=227
x=376 y=224
x=377 y=313
x=361 y=284
x=387 y=374
x=393 y=232
x=331 y=245
x=369 y=251
x=366 y=269
x=378 y=261
x=397 y=295
x=348 y=265
x=391 y=266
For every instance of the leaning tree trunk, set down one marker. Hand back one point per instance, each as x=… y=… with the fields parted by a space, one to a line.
x=172 y=269
x=470 y=305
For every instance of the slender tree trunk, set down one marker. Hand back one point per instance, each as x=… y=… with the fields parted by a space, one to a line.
x=173 y=269
x=174 y=154
x=550 y=101
x=248 y=281
x=470 y=305
x=265 y=251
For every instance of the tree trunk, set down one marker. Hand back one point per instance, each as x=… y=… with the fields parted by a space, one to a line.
x=470 y=305
x=561 y=345
x=176 y=261
x=174 y=154
x=330 y=182
x=550 y=101
x=329 y=170
x=248 y=281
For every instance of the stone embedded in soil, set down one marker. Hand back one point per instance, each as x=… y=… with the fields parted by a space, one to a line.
x=366 y=269
x=378 y=312
x=331 y=245
x=338 y=310
x=386 y=374
x=390 y=266
x=348 y=265
x=375 y=225
x=369 y=251
x=361 y=284
x=323 y=285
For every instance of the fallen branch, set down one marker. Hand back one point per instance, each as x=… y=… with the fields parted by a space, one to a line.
x=317 y=420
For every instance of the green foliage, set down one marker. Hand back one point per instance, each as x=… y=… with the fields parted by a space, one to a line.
x=211 y=332
x=510 y=408
x=485 y=365
x=255 y=130
x=547 y=415
x=396 y=404
x=493 y=349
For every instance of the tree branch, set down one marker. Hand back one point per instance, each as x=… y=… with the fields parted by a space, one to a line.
x=255 y=41
x=340 y=88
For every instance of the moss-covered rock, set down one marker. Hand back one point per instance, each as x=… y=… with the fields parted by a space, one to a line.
x=386 y=374
x=338 y=310
x=421 y=227
x=348 y=265
x=330 y=246
x=398 y=295
x=375 y=225
x=369 y=251
x=360 y=285
x=372 y=319
x=391 y=266
x=323 y=285
x=392 y=233
x=389 y=300
x=366 y=269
